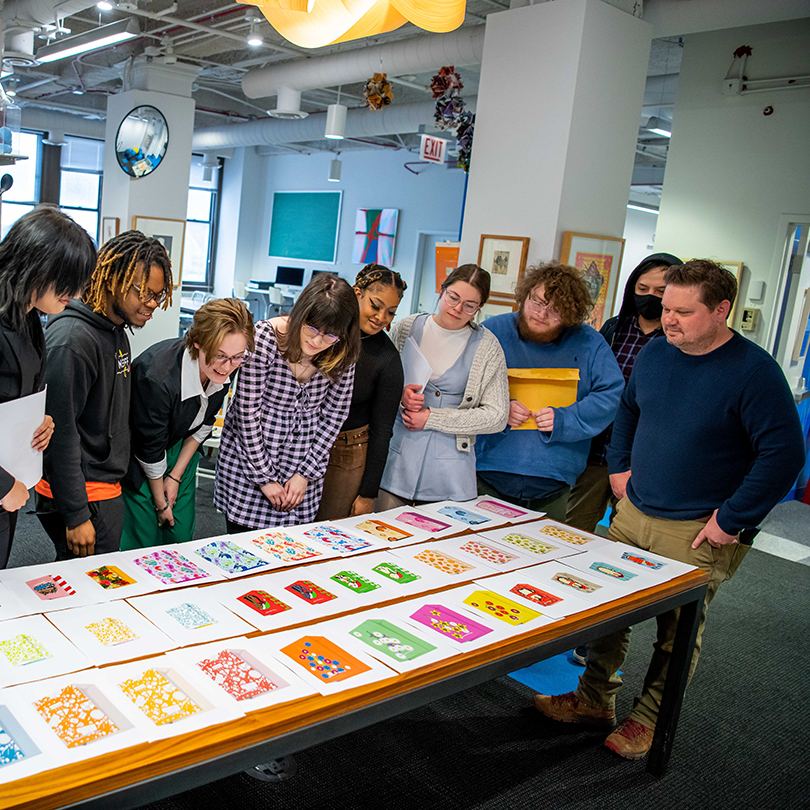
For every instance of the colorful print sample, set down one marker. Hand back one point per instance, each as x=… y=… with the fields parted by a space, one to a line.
x=493 y=555
x=158 y=698
x=375 y=234
x=74 y=718
x=566 y=536
x=448 y=623
x=325 y=660
x=500 y=509
x=464 y=515
x=111 y=632
x=263 y=603
x=50 y=587
x=9 y=750
x=284 y=548
x=383 y=530
x=535 y=594
x=575 y=583
x=354 y=582
x=190 y=616
x=528 y=543
x=644 y=562
x=236 y=676
x=391 y=640
x=110 y=577
x=395 y=573
x=230 y=557
x=23 y=649
x=337 y=539
x=310 y=592
x=500 y=607
x=610 y=570
x=443 y=562
x=422 y=521
x=170 y=566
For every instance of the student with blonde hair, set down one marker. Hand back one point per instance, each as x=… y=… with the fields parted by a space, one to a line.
x=178 y=386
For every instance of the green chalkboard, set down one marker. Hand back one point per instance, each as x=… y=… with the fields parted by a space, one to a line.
x=304 y=225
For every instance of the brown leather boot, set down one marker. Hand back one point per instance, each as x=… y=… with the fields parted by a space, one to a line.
x=568 y=708
x=631 y=740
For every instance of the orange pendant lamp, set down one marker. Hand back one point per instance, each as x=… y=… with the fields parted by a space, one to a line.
x=316 y=23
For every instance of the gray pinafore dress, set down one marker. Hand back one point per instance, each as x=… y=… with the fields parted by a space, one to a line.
x=426 y=465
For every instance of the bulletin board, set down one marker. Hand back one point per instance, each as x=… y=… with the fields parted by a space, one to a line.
x=304 y=225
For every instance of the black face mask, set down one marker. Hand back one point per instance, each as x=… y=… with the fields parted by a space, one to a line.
x=649 y=306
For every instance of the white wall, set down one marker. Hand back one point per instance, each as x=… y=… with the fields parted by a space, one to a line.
x=431 y=200
x=639 y=235
x=733 y=172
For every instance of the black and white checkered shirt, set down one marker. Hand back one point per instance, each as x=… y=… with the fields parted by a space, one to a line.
x=276 y=427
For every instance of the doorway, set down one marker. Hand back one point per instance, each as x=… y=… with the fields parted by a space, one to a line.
x=425 y=297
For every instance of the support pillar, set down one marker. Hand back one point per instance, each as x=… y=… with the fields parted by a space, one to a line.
x=164 y=192
x=559 y=105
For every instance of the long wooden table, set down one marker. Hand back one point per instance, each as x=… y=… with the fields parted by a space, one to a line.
x=152 y=771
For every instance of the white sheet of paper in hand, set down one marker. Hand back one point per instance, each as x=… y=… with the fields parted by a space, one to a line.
x=20 y=418
x=415 y=366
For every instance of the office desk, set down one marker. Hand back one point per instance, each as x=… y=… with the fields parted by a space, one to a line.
x=148 y=772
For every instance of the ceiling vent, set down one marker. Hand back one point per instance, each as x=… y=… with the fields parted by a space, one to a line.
x=288 y=105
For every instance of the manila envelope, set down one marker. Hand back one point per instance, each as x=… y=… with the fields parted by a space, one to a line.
x=538 y=388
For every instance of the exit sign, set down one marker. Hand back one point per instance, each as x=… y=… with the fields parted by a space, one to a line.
x=433 y=149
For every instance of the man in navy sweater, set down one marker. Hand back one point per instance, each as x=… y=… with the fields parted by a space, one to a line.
x=707 y=440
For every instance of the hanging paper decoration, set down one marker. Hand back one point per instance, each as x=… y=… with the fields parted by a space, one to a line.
x=452 y=113
x=316 y=23
x=378 y=92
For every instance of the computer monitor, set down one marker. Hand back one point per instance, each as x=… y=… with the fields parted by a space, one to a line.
x=260 y=285
x=290 y=276
x=318 y=272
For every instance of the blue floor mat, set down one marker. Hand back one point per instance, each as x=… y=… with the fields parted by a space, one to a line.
x=554 y=676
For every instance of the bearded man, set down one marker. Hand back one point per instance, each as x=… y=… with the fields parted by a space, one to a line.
x=536 y=468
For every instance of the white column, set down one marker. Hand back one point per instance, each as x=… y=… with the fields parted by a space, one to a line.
x=163 y=193
x=559 y=106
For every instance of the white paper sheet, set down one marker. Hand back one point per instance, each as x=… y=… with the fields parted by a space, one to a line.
x=20 y=418
x=521 y=586
x=415 y=365
x=25 y=758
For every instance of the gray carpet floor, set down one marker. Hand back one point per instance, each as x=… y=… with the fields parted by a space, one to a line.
x=743 y=739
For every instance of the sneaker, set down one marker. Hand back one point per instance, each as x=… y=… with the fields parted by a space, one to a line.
x=580 y=655
x=568 y=708
x=631 y=740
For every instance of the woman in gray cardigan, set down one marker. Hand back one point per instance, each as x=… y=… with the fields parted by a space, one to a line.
x=430 y=457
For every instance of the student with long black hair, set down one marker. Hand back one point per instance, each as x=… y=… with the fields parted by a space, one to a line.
x=45 y=260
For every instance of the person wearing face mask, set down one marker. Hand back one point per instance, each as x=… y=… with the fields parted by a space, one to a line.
x=178 y=386
x=357 y=459
x=638 y=322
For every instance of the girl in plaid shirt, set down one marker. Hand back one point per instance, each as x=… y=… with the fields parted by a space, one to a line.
x=292 y=397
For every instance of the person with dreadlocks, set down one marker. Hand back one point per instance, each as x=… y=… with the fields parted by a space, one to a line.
x=79 y=499
x=45 y=260
x=357 y=459
x=292 y=396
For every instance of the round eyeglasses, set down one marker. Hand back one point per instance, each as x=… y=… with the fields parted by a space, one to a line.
x=311 y=332
x=468 y=307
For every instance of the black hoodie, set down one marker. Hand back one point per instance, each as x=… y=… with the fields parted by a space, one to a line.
x=88 y=397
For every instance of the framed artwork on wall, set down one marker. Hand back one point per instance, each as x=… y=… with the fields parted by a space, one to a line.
x=304 y=225
x=171 y=234
x=600 y=259
x=736 y=269
x=375 y=236
x=504 y=258
x=109 y=228
x=492 y=308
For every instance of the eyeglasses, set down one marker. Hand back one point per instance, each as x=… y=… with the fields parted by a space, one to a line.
x=150 y=295
x=311 y=332
x=542 y=307
x=235 y=360
x=468 y=307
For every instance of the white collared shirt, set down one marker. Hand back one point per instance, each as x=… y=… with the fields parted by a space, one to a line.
x=190 y=386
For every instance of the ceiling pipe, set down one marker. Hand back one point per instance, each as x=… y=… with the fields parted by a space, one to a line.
x=360 y=123
x=40 y=12
x=464 y=46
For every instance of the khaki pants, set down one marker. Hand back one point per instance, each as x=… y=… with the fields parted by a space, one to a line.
x=589 y=498
x=600 y=682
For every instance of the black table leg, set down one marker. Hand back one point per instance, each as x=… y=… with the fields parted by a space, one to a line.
x=675 y=686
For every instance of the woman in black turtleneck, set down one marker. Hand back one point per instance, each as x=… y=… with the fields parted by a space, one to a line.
x=358 y=456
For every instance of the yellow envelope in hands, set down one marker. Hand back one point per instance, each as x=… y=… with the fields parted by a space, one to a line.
x=538 y=388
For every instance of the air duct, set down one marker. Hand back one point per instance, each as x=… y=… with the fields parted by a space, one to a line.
x=462 y=47
x=360 y=123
